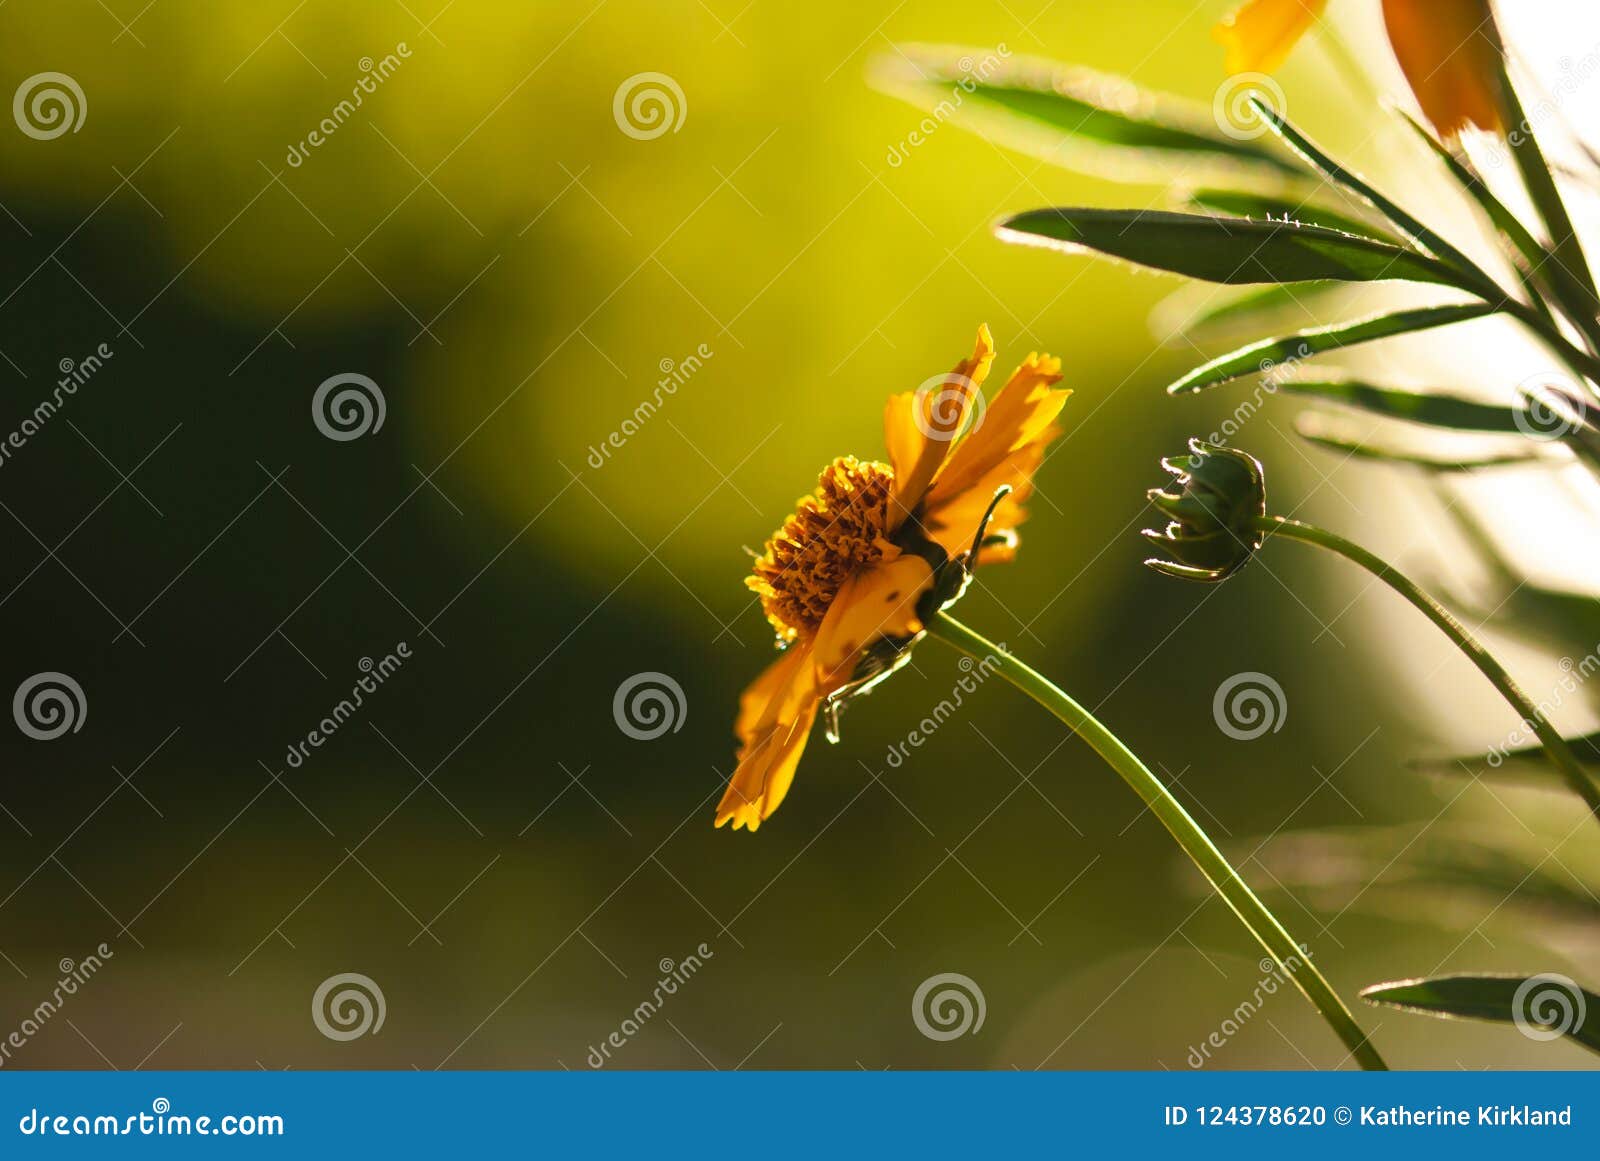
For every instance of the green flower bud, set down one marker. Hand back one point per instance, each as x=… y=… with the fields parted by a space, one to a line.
x=1213 y=503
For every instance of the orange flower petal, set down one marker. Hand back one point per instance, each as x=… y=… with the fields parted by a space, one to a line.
x=1450 y=53
x=776 y=681
x=954 y=522
x=1259 y=35
x=1005 y=448
x=919 y=426
x=880 y=601
x=775 y=718
x=766 y=771
x=1019 y=414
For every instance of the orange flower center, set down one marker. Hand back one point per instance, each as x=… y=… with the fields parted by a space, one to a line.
x=833 y=534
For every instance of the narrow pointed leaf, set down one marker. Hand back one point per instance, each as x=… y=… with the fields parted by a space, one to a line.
x=1523 y=766
x=1197 y=311
x=1545 y=194
x=1429 y=239
x=1435 y=409
x=1233 y=251
x=1514 y=603
x=1081 y=120
x=1534 y=262
x=1272 y=353
x=1246 y=204
x=1429 y=450
x=1473 y=866
x=1544 y=1006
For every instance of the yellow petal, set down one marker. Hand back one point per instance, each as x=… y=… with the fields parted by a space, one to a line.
x=880 y=601
x=954 y=522
x=1005 y=448
x=1020 y=413
x=776 y=682
x=919 y=427
x=766 y=771
x=775 y=718
x=1450 y=53
x=1259 y=35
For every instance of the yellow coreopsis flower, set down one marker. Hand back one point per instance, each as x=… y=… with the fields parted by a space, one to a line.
x=841 y=581
x=1449 y=50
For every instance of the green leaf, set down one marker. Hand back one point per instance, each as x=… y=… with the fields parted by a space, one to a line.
x=1561 y=621
x=1544 y=1006
x=1545 y=194
x=1534 y=262
x=1271 y=353
x=1243 y=204
x=1199 y=311
x=1081 y=120
x=1233 y=251
x=1444 y=879
x=1465 y=868
x=1435 y=409
x=1524 y=766
x=1429 y=450
x=1480 y=282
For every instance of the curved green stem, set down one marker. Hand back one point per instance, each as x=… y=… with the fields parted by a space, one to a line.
x=1555 y=745
x=1234 y=890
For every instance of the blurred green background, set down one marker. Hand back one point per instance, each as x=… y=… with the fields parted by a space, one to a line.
x=515 y=272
